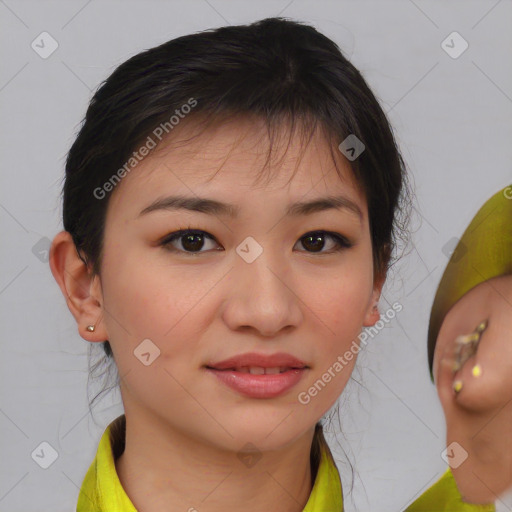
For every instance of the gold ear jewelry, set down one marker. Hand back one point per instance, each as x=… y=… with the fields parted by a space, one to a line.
x=476 y=370
x=90 y=328
x=467 y=346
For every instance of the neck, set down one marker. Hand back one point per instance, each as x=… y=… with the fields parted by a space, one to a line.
x=160 y=466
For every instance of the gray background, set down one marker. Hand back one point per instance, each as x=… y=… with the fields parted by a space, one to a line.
x=452 y=119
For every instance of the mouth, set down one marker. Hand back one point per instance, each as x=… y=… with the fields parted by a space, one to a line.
x=259 y=375
x=258 y=364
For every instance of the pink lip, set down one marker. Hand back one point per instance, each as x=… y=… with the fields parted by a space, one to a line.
x=259 y=386
x=261 y=360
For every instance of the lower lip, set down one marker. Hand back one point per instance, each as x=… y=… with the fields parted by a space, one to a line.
x=259 y=386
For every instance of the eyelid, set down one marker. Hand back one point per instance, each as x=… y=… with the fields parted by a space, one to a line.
x=176 y=235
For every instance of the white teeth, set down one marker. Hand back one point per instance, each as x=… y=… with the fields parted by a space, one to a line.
x=258 y=370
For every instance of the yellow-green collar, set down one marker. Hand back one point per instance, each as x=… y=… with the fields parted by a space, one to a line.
x=102 y=491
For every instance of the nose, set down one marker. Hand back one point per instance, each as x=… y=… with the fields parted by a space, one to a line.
x=261 y=297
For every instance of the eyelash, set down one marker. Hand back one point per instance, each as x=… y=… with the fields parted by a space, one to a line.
x=341 y=241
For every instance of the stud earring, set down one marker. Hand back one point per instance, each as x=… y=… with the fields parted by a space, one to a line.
x=90 y=328
x=457 y=386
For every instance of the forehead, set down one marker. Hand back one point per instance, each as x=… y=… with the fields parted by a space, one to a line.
x=238 y=157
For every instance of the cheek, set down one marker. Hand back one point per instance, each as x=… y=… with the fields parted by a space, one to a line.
x=147 y=297
x=339 y=308
x=343 y=297
x=139 y=304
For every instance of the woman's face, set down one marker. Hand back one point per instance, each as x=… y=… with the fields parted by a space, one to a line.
x=251 y=285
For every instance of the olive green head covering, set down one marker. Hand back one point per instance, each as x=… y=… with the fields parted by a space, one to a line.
x=483 y=252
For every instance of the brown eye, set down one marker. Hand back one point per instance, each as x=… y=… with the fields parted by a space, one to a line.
x=191 y=241
x=315 y=242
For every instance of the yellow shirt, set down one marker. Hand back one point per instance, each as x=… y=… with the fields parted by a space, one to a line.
x=102 y=491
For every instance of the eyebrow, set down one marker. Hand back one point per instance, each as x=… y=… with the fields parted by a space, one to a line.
x=214 y=207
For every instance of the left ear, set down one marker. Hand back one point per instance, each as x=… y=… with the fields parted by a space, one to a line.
x=373 y=313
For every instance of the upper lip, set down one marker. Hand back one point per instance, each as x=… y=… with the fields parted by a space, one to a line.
x=260 y=360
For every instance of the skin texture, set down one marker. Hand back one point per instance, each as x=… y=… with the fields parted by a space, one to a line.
x=184 y=427
x=479 y=417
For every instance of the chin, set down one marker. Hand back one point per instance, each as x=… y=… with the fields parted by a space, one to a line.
x=267 y=434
